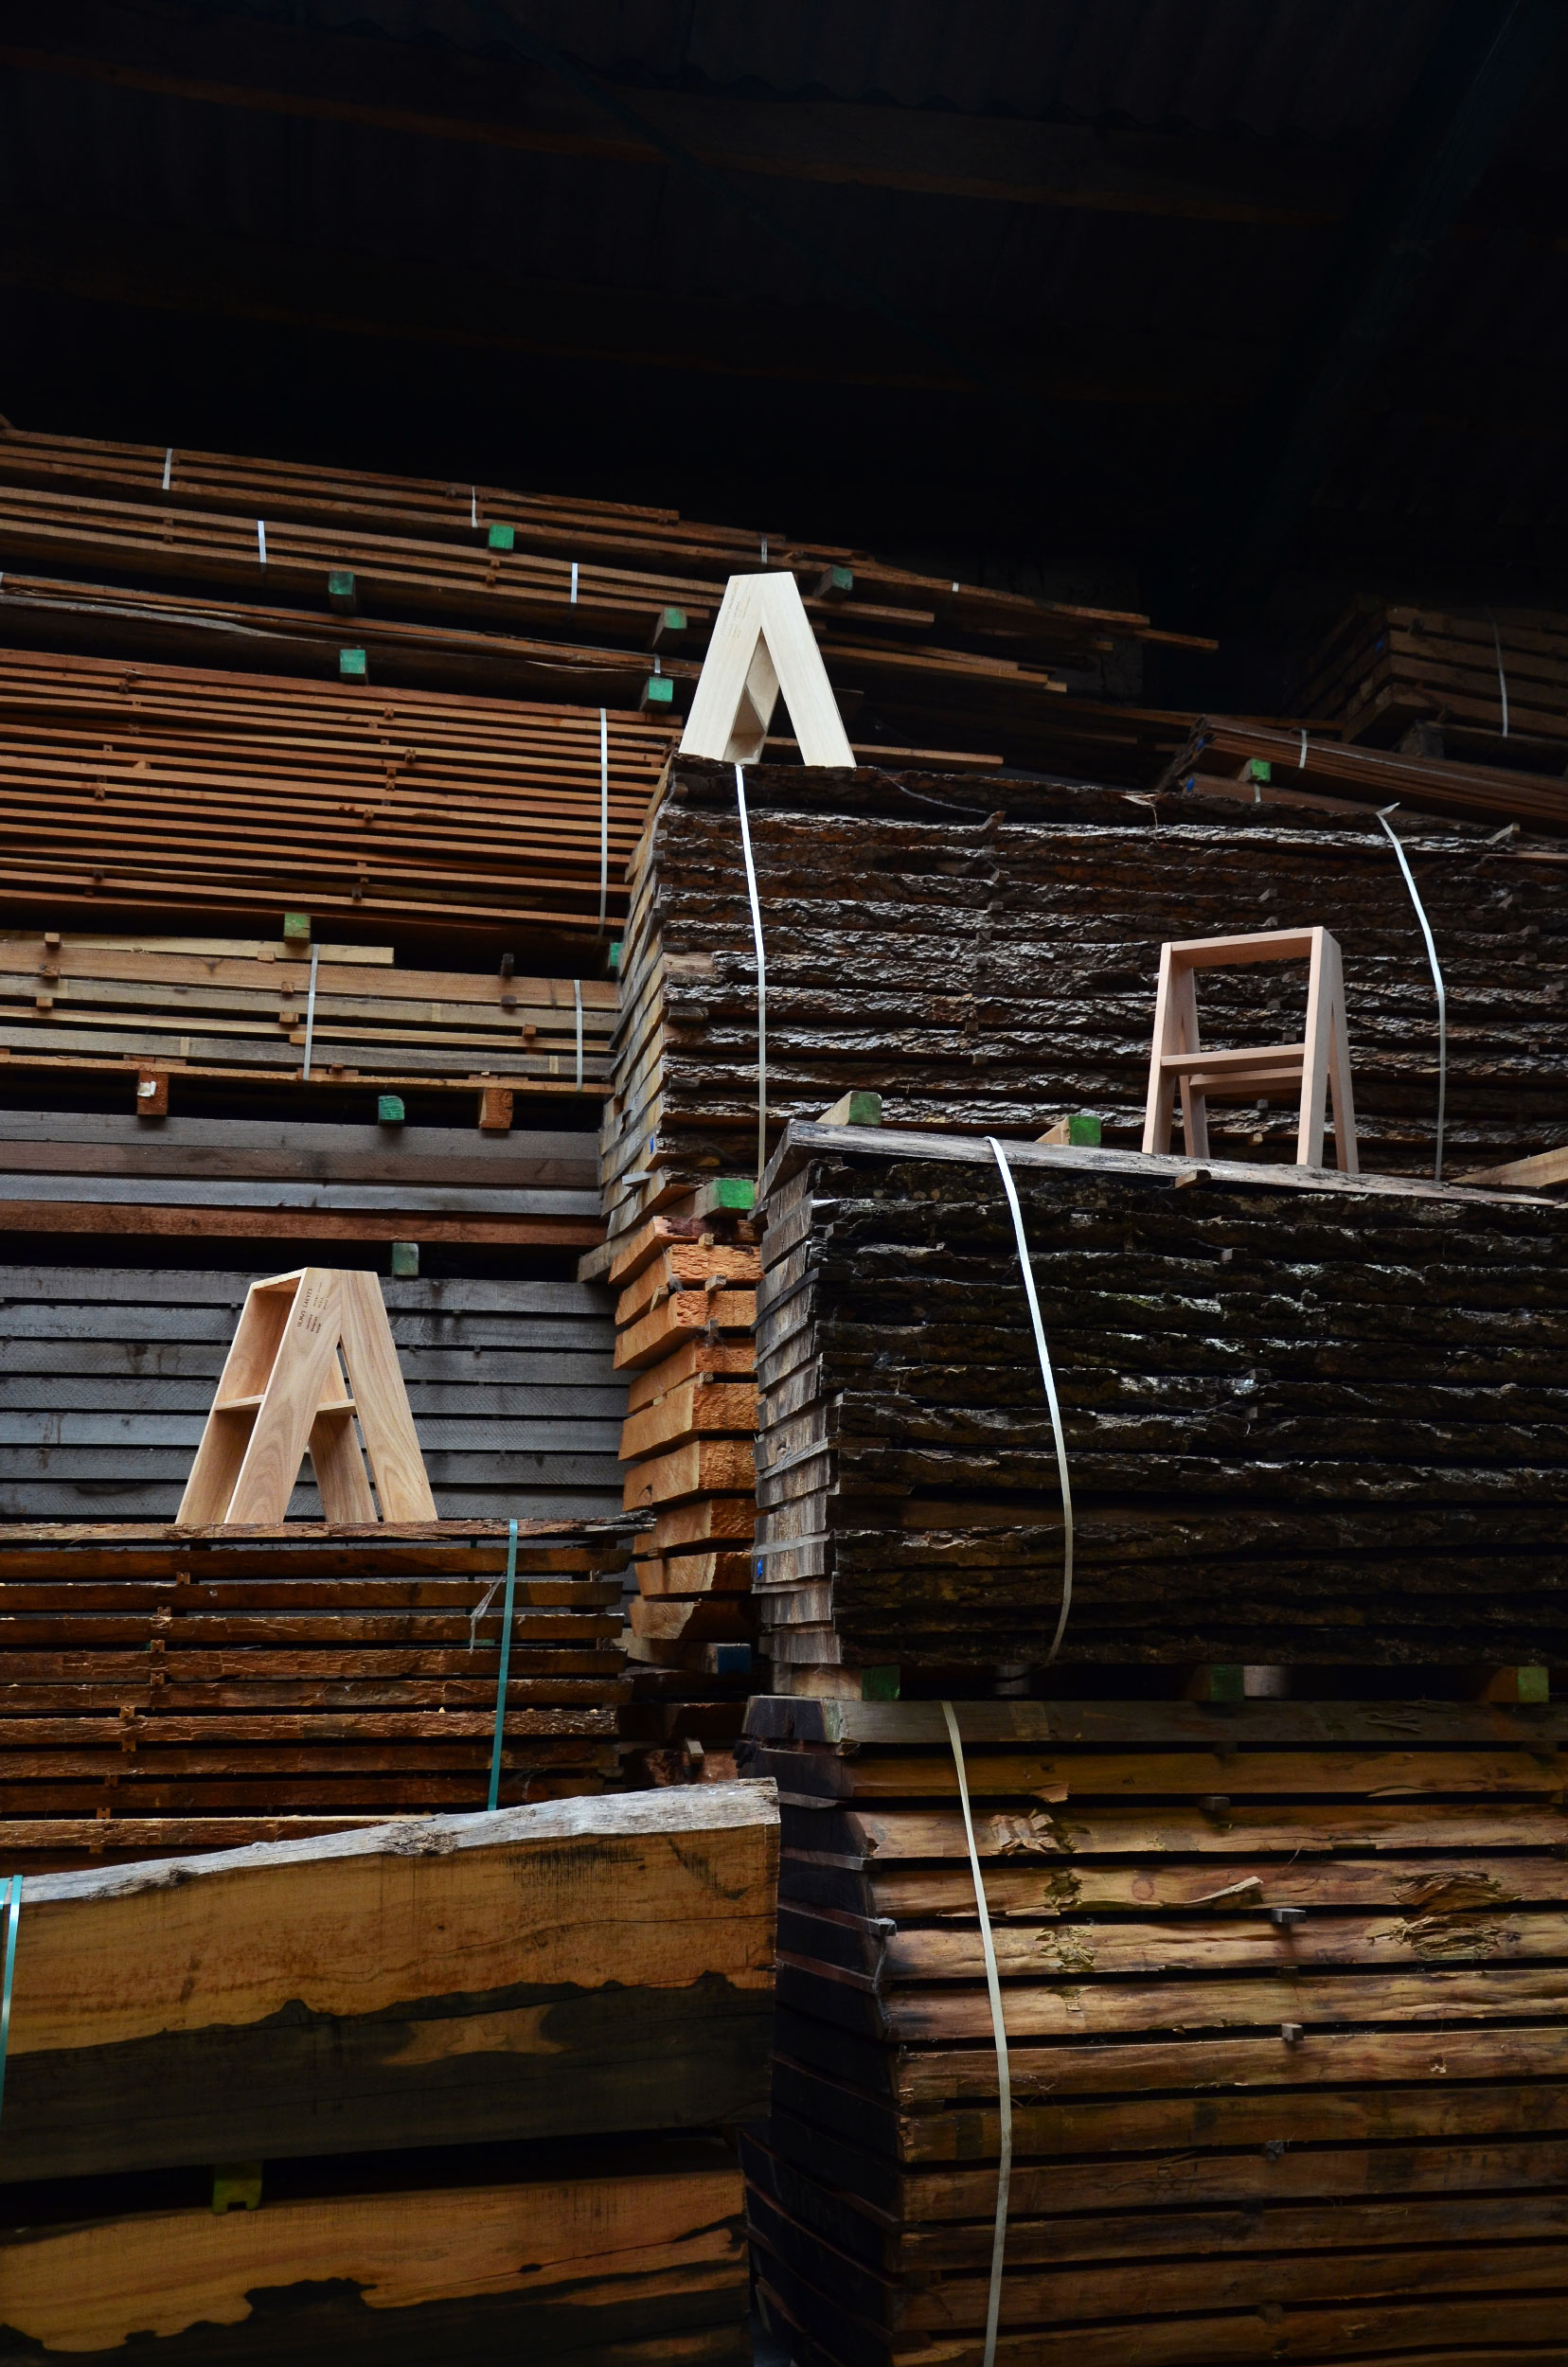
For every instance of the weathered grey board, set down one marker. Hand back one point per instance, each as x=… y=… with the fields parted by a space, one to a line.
x=66 y=1143
x=106 y=1374
x=580 y=1967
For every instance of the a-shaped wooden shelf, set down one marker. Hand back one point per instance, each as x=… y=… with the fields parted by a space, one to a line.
x=313 y=1352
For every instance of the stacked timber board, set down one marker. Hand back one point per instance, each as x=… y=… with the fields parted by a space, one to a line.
x=168 y=791
x=985 y=956
x=249 y=1011
x=685 y=1301
x=1262 y=763
x=308 y=569
x=1494 y=684
x=1283 y=1986
x=109 y=1371
x=152 y=1679
x=552 y=2002
x=1307 y=1419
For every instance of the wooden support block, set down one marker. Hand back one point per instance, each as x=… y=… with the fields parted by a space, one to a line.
x=235 y=2186
x=657 y=695
x=389 y=1109
x=683 y=1316
x=1072 y=1130
x=706 y=1466
x=1516 y=1684
x=151 y=1092
x=296 y=932
x=735 y=1194
x=353 y=665
x=342 y=596
x=855 y=1108
x=669 y=628
x=496 y=1108
x=405 y=1260
x=502 y=537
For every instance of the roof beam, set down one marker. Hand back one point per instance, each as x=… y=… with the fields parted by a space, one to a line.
x=398 y=299
x=1488 y=58
x=215 y=60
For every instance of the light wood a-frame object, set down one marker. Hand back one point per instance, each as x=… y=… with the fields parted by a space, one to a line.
x=762 y=643
x=284 y=1392
x=1319 y=1066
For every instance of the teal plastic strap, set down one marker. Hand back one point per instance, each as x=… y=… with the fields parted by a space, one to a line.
x=13 y=1916
x=505 y=1664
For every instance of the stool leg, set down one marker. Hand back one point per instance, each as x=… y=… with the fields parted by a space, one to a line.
x=1194 y=1121
x=1175 y=1031
x=1314 y=1068
x=1347 y=1150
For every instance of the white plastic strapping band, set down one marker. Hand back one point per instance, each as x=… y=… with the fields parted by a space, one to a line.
x=169 y=467
x=999 y=2032
x=261 y=538
x=473 y=505
x=309 y=1012
x=1501 y=678
x=1049 y=1378
x=1437 y=982
x=604 y=816
x=574 y=582
x=761 y=979
x=1301 y=760
x=577 y=998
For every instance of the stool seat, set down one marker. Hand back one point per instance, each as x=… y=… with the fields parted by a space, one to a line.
x=1318 y=1068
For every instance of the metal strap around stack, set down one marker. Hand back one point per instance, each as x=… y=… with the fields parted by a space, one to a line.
x=761 y=978
x=1437 y=982
x=1047 y=1376
x=13 y=1916
x=505 y=1664
x=999 y=2034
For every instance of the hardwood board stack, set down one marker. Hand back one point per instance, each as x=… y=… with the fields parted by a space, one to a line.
x=431 y=562
x=163 y=1675
x=686 y=1298
x=1283 y=1985
x=108 y=1372
x=1262 y=764
x=1307 y=1419
x=985 y=956
x=236 y=1009
x=174 y=789
x=555 y=2000
x=1386 y=669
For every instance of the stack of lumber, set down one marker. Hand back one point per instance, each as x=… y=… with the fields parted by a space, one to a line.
x=554 y=2001
x=168 y=789
x=156 y=1678
x=109 y=1370
x=236 y=1009
x=1267 y=764
x=1283 y=1993
x=1308 y=1418
x=686 y=1303
x=436 y=581
x=1386 y=669
x=984 y=954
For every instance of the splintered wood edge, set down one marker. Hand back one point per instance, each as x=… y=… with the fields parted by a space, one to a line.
x=803 y=1140
x=677 y=1811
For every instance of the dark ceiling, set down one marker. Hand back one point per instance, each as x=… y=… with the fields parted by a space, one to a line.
x=1216 y=303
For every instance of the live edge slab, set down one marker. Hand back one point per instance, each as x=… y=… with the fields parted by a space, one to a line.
x=576 y=1968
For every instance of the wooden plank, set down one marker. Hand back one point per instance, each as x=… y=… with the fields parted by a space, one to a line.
x=666 y=1897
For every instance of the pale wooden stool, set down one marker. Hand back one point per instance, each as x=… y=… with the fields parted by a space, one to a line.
x=282 y=1392
x=1319 y=1067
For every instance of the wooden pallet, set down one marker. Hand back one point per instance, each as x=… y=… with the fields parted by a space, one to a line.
x=1283 y=1989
